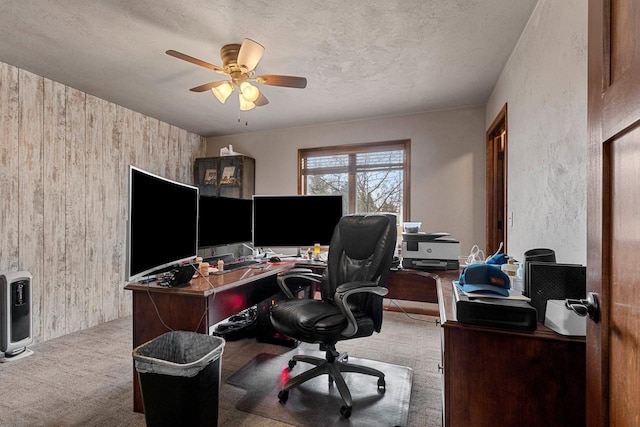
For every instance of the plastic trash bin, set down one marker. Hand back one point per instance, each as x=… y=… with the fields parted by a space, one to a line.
x=180 y=378
x=540 y=255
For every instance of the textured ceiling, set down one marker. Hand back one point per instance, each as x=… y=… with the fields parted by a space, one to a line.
x=362 y=59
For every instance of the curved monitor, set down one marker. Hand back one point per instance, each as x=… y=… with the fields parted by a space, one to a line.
x=295 y=221
x=162 y=226
x=224 y=221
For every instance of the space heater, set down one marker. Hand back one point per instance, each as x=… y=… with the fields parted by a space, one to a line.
x=15 y=314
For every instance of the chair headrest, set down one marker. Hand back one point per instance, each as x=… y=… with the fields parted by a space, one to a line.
x=360 y=234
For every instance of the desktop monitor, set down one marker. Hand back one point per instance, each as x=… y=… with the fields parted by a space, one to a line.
x=224 y=221
x=162 y=226
x=295 y=221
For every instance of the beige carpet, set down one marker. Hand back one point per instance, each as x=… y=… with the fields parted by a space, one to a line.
x=85 y=378
x=81 y=379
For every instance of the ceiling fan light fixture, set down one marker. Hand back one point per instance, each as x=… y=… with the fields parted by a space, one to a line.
x=249 y=91
x=238 y=63
x=245 y=105
x=249 y=55
x=222 y=91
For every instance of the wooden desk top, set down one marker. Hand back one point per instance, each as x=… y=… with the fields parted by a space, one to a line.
x=205 y=286
x=448 y=316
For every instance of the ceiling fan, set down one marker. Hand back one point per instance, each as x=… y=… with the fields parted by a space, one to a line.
x=239 y=62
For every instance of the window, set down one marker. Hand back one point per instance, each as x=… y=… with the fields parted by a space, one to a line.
x=371 y=177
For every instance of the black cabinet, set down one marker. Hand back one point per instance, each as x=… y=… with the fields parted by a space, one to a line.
x=226 y=176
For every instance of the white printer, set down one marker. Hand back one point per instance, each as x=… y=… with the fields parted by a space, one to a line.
x=430 y=251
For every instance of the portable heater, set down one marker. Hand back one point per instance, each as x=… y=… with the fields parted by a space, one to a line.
x=15 y=314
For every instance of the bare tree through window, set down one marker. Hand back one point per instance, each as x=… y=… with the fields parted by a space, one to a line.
x=371 y=177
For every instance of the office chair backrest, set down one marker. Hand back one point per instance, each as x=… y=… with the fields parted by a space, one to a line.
x=361 y=249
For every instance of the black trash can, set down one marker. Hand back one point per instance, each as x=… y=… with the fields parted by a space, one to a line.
x=536 y=256
x=540 y=255
x=180 y=378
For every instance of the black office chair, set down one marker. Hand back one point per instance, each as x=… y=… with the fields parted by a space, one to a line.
x=352 y=287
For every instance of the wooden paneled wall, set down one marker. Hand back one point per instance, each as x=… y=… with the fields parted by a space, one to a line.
x=64 y=158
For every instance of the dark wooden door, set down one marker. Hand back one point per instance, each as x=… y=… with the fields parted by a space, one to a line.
x=613 y=215
x=497 y=184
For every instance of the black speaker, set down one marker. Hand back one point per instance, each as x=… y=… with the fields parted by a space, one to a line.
x=15 y=312
x=545 y=281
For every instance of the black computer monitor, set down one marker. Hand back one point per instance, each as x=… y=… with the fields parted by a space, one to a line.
x=295 y=221
x=162 y=226
x=224 y=221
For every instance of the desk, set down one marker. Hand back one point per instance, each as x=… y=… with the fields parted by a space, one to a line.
x=412 y=291
x=412 y=285
x=496 y=377
x=198 y=306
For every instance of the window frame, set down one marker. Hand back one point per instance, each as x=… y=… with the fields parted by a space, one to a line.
x=367 y=147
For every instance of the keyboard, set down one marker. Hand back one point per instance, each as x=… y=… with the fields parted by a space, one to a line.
x=234 y=265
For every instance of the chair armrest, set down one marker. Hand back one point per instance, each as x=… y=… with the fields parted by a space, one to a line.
x=344 y=291
x=299 y=273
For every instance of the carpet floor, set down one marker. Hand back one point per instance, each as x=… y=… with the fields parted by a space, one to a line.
x=85 y=378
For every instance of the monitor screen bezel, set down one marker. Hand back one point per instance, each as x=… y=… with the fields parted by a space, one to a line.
x=291 y=223
x=159 y=211
x=229 y=215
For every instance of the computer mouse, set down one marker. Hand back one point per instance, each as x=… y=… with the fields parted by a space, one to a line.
x=275 y=259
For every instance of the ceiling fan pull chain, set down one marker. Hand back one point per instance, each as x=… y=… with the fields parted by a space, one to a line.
x=246 y=121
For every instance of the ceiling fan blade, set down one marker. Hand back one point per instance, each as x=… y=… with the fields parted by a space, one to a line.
x=207 y=86
x=262 y=100
x=286 y=81
x=193 y=60
x=250 y=54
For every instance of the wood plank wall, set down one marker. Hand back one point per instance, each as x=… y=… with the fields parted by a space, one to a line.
x=64 y=158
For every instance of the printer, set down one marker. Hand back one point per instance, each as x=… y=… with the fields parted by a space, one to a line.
x=430 y=251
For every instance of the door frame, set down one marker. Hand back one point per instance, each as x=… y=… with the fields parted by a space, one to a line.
x=597 y=372
x=496 y=187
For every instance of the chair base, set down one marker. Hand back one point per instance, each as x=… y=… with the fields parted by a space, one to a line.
x=333 y=365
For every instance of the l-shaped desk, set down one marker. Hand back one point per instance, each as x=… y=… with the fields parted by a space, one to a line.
x=210 y=300
x=490 y=376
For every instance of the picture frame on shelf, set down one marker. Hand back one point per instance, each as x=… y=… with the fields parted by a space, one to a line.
x=210 y=176
x=228 y=175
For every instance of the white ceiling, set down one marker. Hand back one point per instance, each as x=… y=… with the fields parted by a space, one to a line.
x=362 y=59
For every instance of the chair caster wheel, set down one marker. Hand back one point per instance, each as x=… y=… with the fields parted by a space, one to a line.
x=345 y=411
x=382 y=385
x=283 y=396
x=292 y=364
